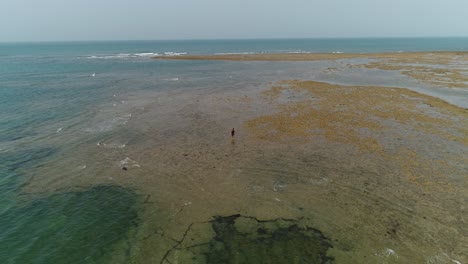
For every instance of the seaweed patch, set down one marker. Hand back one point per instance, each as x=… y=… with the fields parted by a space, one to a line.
x=246 y=239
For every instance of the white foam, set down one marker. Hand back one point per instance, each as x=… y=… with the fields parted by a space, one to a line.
x=128 y=55
x=172 y=53
x=146 y=54
x=337 y=52
x=113 y=145
x=109 y=124
x=387 y=253
x=298 y=52
x=58 y=130
x=454 y=261
x=171 y=79
x=127 y=162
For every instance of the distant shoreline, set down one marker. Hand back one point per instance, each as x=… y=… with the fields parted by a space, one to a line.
x=443 y=70
x=312 y=56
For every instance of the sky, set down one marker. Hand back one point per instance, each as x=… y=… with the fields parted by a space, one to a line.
x=69 y=20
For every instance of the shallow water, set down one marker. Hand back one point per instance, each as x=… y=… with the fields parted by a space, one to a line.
x=71 y=227
x=111 y=160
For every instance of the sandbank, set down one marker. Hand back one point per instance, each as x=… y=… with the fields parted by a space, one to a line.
x=445 y=55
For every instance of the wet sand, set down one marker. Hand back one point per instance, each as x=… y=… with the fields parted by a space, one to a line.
x=366 y=174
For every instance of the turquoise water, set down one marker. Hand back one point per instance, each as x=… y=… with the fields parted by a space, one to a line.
x=71 y=227
x=49 y=92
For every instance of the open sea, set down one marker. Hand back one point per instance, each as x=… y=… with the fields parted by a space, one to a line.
x=69 y=121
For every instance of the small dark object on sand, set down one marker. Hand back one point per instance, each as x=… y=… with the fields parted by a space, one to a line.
x=233 y=132
x=124 y=168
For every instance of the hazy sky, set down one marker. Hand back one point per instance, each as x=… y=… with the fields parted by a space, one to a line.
x=45 y=20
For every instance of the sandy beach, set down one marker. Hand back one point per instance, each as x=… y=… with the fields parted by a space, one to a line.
x=345 y=173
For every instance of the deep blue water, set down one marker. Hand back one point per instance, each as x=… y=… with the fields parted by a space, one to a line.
x=46 y=85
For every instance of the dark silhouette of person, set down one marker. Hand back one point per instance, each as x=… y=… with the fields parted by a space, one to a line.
x=233 y=132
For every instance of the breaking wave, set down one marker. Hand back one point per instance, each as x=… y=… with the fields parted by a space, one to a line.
x=135 y=55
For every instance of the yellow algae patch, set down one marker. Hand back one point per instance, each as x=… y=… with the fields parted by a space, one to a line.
x=427 y=68
x=440 y=58
x=375 y=120
x=342 y=113
x=453 y=78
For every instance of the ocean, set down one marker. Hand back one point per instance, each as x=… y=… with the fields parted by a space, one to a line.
x=73 y=114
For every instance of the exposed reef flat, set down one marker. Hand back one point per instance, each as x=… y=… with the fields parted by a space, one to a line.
x=446 y=69
x=380 y=172
x=445 y=56
x=359 y=174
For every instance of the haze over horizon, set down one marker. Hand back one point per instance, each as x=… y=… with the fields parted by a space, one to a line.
x=66 y=20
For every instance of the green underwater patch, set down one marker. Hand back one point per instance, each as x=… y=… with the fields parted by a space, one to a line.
x=240 y=239
x=72 y=227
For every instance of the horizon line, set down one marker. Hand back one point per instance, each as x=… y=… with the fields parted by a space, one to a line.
x=229 y=39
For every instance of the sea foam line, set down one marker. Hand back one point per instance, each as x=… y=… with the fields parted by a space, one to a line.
x=136 y=55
